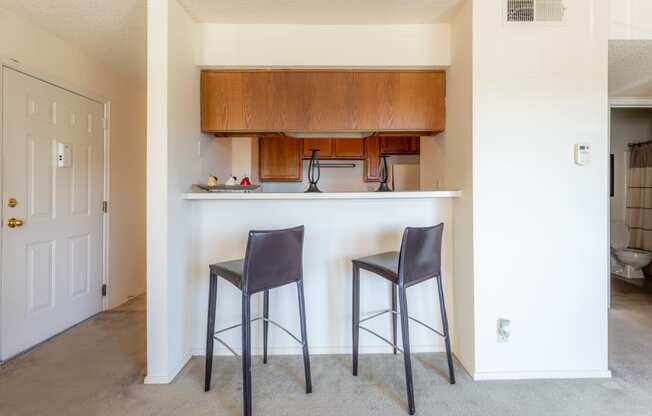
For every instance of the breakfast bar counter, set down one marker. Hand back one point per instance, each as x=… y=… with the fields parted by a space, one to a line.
x=204 y=195
x=338 y=228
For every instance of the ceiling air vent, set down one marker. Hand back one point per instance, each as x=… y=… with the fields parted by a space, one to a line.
x=524 y=11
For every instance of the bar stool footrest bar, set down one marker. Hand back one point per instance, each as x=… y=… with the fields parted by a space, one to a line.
x=228 y=347
x=377 y=314
x=381 y=338
x=253 y=320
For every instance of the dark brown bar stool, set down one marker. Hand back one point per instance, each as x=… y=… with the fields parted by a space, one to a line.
x=419 y=260
x=273 y=259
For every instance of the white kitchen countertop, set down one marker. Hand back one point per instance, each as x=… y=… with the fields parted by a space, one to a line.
x=203 y=195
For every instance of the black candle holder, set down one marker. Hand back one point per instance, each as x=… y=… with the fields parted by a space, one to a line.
x=314 y=171
x=383 y=174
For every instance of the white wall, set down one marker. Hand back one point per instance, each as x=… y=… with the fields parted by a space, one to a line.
x=456 y=145
x=174 y=163
x=631 y=19
x=252 y=45
x=61 y=62
x=541 y=222
x=216 y=157
x=628 y=125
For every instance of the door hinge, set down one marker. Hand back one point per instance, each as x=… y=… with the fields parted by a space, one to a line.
x=105 y=206
x=104 y=289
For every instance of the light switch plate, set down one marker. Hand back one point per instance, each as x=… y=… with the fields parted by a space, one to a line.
x=64 y=155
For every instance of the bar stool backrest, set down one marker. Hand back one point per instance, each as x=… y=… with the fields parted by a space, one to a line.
x=273 y=259
x=420 y=256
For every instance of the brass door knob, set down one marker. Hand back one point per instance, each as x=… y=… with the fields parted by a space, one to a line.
x=13 y=223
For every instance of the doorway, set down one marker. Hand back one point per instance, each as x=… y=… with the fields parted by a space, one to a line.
x=630 y=210
x=53 y=176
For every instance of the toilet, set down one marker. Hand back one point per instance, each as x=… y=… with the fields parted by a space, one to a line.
x=633 y=260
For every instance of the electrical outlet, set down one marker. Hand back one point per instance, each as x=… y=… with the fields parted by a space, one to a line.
x=503 y=329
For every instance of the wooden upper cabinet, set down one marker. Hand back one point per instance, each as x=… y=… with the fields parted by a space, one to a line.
x=400 y=145
x=280 y=159
x=325 y=147
x=287 y=101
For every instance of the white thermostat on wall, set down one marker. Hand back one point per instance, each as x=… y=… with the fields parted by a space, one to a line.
x=582 y=153
x=64 y=155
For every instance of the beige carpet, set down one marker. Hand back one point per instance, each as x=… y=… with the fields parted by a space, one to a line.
x=97 y=368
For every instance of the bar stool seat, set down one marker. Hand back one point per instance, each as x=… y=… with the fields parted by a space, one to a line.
x=418 y=261
x=232 y=271
x=273 y=258
x=383 y=264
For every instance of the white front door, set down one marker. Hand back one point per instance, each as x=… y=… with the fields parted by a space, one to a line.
x=52 y=261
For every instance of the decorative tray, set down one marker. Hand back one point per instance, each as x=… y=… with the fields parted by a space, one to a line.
x=229 y=188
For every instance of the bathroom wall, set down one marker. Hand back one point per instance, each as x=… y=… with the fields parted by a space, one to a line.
x=628 y=125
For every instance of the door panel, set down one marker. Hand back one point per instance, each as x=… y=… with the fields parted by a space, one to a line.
x=81 y=179
x=41 y=178
x=79 y=263
x=51 y=265
x=40 y=276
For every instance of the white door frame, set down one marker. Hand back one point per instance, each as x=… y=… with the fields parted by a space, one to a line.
x=40 y=75
x=631 y=102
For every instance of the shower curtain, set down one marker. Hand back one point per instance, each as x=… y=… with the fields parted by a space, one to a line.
x=639 y=197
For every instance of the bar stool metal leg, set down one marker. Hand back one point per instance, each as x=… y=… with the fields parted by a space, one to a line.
x=246 y=355
x=304 y=337
x=265 y=324
x=210 y=330
x=356 y=317
x=444 y=323
x=394 y=316
x=405 y=331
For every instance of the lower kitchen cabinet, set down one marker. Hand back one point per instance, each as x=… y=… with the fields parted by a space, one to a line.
x=400 y=145
x=347 y=149
x=371 y=161
x=280 y=159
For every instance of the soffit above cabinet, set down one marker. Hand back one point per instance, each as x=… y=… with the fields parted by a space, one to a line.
x=322 y=101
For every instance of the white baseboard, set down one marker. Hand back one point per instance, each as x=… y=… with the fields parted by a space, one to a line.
x=169 y=378
x=345 y=350
x=157 y=379
x=541 y=375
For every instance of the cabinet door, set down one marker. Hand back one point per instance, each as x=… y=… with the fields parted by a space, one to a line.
x=371 y=160
x=399 y=145
x=280 y=159
x=415 y=145
x=300 y=100
x=325 y=147
x=349 y=148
